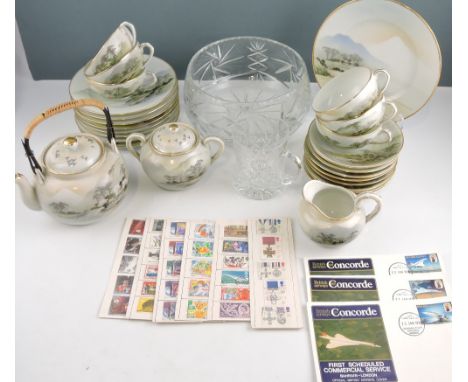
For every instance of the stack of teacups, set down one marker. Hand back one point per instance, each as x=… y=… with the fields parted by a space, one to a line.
x=140 y=90
x=118 y=69
x=354 y=140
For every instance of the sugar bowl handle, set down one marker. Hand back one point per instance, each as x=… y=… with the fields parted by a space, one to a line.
x=220 y=149
x=377 y=207
x=129 y=143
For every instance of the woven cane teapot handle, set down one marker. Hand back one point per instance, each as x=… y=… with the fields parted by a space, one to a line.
x=57 y=110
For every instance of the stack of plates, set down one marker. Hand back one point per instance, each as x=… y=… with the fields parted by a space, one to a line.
x=367 y=168
x=140 y=112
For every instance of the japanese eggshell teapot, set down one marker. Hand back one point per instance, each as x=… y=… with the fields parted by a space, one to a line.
x=79 y=178
x=174 y=156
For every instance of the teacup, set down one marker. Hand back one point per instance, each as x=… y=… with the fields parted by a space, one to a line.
x=116 y=46
x=131 y=65
x=125 y=88
x=378 y=135
x=378 y=113
x=349 y=94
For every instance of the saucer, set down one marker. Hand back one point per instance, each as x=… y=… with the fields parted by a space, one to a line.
x=369 y=156
x=381 y=34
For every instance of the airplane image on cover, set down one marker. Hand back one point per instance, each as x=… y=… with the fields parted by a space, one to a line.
x=339 y=340
x=420 y=290
x=419 y=263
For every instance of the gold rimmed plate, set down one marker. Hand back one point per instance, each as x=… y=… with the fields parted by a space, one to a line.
x=381 y=34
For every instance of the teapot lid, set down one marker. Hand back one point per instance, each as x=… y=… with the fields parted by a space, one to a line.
x=174 y=138
x=73 y=154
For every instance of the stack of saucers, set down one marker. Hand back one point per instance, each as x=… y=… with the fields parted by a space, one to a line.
x=140 y=90
x=355 y=140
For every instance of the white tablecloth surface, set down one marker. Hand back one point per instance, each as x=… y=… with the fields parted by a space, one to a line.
x=62 y=271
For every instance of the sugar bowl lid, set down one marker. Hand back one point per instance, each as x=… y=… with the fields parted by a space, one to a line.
x=174 y=138
x=73 y=154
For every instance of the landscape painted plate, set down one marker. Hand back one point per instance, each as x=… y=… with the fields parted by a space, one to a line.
x=381 y=34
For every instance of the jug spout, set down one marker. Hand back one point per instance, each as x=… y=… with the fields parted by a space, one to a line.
x=330 y=201
x=28 y=192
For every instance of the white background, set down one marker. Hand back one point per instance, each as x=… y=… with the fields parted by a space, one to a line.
x=62 y=272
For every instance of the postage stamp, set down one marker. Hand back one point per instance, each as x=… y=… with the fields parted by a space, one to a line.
x=235 y=293
x=176 y=248
x=197 y=309
x=199 y=288
x=235 y=230
x=171 y=288
x=119 y=305
x=271 y=247
x=269 y=269
x=137 y=227
x=236 y=261
x=148 y=288
x=275 y=291
x=202 y=249
x=234 y=310
x=235 y=277
x=423 y=263
x=236 y=246
x=178 y=228
x=435 y=313
x=152 y=255
x=154 y=241
x=204 y=231
x=145 y=304
x=268 y=226
x=123 y=285
x=427 y=288
x=128 y=264
x=151 y=271
x=173 y=267
x=201 y=268
x=132 y=245
x=158 y=225
x=169 y=309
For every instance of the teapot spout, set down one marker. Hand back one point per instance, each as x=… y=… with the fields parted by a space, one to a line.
x=28 y=192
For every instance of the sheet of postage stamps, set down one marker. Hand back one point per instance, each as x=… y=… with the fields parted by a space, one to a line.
x=176 y=270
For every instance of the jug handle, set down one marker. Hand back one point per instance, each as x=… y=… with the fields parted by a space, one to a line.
x=376 y=199
x=59 y=109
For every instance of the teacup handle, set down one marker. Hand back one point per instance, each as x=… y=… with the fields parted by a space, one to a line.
x=297 y=161
x=387 y=81
x=129 y=143
x=220 y=144
x=150 y=51
x=131 y=28
x=394 y=111
x=376 y=199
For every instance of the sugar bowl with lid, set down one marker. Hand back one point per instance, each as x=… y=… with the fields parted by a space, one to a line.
x=79 y=178
x=174 y=156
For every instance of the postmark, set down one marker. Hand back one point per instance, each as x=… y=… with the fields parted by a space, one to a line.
x=402 y=295
x=271 y=269
x=398 y=268
x=411 y=324
x=271 y=226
